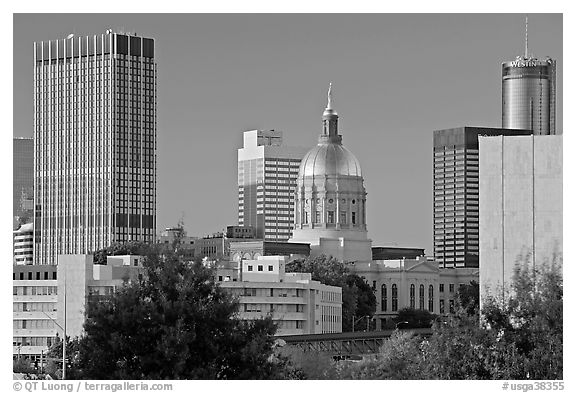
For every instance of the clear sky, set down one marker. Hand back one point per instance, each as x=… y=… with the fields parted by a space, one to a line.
x=396 y=78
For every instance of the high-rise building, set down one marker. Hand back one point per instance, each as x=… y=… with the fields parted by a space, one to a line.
x=456 y=209
x=95 y=143
x=267 y=172
x=23 y=178
x=521 y=208
x=529 y=93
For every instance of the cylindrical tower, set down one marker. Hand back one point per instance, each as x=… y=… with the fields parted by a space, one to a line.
x=528 y=95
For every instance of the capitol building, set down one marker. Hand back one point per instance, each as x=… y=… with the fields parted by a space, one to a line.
x=330 y=215
x=330 y=208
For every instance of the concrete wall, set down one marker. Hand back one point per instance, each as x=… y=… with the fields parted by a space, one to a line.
x=74 y=271
x=520 y=206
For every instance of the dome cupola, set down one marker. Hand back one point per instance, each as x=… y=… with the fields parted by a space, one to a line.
x=330 y=205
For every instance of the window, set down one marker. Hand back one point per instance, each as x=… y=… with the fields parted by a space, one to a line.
x=330 y=217
x=384 y=299
x=219 y=278
x=135 y=261
x=441 y=288
x=431 y=298
x=260 y=268
x=451 y=306
x=394 y=297
x=421 y=302
x=412 y=296
x=451 y=288
x=353 y=218
x=270 y=268
x=250 y=268
x=441 y=306
x=342 y=217
x=318 y=217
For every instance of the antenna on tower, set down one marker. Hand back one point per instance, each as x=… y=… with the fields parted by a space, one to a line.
x=526 y=41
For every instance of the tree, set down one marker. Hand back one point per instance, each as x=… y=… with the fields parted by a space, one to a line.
x=358 y=298
x=411 y=318
x=468 y=298
x=519 y=337
x=175 y=323
x=127 y=248
x=398 y=358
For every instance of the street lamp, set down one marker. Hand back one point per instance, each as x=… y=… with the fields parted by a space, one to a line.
x=361 y=318
x=400 y=323
x=63 y=341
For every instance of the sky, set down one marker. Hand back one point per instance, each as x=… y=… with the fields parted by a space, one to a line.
x=396 y=78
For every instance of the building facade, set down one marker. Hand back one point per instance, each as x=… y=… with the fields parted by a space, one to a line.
x=330 y=208
x=35 y=301
x=267 y=172
x=24 y=244
x=456 y=206
x=23 y=181
x=529 y=95
x=95 y=143
x=298 y=304
x=80 y=282
x=257 y=248
x=414 y=283
x=186 y=245
x=521 y=207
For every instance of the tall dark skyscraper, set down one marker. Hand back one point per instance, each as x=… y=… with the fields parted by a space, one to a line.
x=529 y=93
x=95 y=143
x=23 y=178
x=456 y=214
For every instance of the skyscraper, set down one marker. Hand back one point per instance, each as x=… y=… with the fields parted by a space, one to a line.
x=23 y=180
x=456 y=209
x=267 y=173
x=95 y=143
x=529 y=93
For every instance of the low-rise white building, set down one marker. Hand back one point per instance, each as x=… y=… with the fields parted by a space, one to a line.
x=298 y=304
x=34 y=301
x=415 y=283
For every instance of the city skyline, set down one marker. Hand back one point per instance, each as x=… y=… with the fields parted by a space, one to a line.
x=395 y=77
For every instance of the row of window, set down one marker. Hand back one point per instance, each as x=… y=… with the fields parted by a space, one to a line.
x=384 y=296
x=35 y=290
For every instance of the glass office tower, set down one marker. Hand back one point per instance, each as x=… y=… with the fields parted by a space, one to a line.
x=95 y=143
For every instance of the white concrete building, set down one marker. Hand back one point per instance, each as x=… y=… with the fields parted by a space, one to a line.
x=24 y=244
x=80 y=280
x=34 y=302
x=298 y=304
x=520 y=205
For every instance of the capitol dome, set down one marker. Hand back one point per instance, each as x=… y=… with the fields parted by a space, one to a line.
x=329 y=159
x=330 y=203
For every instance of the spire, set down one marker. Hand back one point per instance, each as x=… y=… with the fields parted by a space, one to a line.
x=330 y=122
x=526 y=40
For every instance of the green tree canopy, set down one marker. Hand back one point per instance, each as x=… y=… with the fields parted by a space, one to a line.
x=175 y=323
